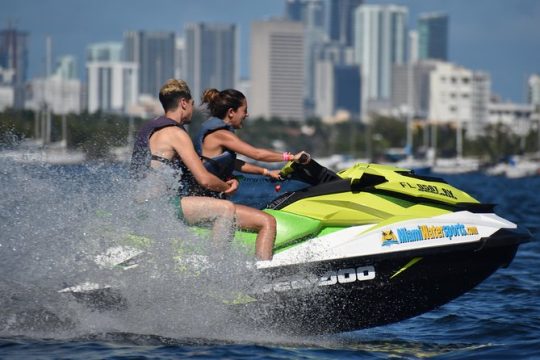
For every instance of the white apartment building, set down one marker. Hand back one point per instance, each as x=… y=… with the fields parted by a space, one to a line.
x=277 y=69
x=59 y=95
x=443 y=92
x=517 y=118
x=450 y=93
x=112 y=85
x=458 y=95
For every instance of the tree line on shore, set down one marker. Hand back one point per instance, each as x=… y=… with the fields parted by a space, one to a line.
x=97 y=133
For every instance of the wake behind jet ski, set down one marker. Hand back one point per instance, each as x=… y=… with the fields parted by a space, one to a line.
x=368 y=246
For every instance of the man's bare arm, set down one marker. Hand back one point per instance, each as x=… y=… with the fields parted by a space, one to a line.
x=181 y=143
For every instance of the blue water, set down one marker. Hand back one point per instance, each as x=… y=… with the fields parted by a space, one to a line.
x=52 y=219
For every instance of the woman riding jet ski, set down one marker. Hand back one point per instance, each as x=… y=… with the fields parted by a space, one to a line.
x=368 y=246
x=218 y=145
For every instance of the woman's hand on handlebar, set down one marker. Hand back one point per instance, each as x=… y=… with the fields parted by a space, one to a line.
x=302 y=158
x=275 y=174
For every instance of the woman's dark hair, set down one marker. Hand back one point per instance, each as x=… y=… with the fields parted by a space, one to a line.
x=219 y=102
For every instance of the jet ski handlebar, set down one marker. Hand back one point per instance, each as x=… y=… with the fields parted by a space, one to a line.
x=304 y=158
x=307 y=170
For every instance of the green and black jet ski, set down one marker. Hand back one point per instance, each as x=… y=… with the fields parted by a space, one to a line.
x=367 y=246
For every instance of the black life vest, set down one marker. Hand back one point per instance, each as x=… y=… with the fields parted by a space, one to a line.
x=141 y=156
x=222 y=165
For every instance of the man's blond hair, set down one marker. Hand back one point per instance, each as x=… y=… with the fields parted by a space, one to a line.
x=172 y=91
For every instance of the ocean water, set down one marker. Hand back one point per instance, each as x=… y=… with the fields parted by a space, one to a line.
x=55 y=220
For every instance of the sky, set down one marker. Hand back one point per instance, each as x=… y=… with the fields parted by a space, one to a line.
x=501 y=37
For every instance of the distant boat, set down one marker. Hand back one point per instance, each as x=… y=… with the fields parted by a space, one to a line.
x=32 y=151
x=401 y=157
x=516 y=167
x=456 y=165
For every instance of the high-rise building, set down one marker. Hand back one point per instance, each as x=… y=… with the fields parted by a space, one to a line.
x=410 y=87
x=154 y=54
x=66 y=67
x=380 y=43
x=433 y=36
x=211 y=56
x=180 y=58
x=480 y=94
x=6 y=88
x=337 y=82
x=534 y=91
x=311 y=14
x=413 y=46
x=338 y=89
x=244 y=86
x=112 y=84
x=277 y=69
x=294 y=9
x=340 y=20
x=14 y=55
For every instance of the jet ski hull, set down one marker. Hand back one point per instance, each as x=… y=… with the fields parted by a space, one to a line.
x=350 y=293
x=363 y=292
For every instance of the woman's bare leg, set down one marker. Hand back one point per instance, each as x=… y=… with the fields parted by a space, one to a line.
x=265 y=224
x=221 y=213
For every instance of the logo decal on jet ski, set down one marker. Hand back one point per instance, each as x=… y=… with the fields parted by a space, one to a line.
x=388 y=237
x=425 y=232
x=331 y=277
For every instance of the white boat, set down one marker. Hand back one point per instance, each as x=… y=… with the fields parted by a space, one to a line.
x=30 y=152
x=516 y=167
x=456 y=165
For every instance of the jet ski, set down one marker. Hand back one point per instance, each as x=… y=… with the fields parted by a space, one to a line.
x=364 y=247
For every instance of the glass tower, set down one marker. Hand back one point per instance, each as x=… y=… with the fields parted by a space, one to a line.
x=14 y=55
x=154 y=53
x=210 y=56
x=433 y=36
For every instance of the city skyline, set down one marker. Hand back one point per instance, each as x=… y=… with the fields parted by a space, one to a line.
x=508 y=49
